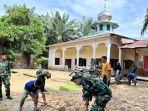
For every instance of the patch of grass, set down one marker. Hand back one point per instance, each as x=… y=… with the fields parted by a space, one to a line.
x=61 y=88
x=70 y=86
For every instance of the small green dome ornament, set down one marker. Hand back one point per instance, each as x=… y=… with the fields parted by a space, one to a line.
x=104 y=23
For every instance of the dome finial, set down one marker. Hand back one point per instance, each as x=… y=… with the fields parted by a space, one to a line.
x=105 y=4
x=105 y=15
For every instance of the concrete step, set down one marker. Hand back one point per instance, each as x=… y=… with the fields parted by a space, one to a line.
x=142 y=78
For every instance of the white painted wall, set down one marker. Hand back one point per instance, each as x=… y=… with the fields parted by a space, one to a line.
x=86 y=50
x=101 y=50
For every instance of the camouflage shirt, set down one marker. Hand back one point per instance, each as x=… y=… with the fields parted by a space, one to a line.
x=93 y=87
x=5 y=68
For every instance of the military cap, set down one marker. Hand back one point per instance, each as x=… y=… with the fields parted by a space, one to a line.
x=48 y=74
x=75 y=76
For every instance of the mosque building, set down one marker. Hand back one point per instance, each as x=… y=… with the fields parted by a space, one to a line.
x=104 y=42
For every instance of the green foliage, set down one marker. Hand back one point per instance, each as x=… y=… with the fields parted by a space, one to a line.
x=42 y=60
x=24 y=32
x=69 y=87
x=21 y=31
x=63 y=28
x=19 y=15
x=85 y=26
x=145 y=25
x=61 y=88
x=49 y=33
x=59 y=28
x=13 y=55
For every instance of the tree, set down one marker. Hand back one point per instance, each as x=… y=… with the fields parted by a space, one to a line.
x=21 y=31
x=85 y=26
x=145 y=25
x=48 y=29
x=59 y=28
x=63 y=28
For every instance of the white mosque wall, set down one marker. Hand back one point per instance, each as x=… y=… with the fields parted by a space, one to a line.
x=101 y=50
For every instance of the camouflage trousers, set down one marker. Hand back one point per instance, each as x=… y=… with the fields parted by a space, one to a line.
x=100 y=103
x=5 y=81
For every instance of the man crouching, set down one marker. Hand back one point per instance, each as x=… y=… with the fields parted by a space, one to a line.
x=93 y=88
x=31 y=88
x=42 y=74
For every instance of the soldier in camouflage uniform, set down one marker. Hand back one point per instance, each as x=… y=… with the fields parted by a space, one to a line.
x=5 y=75
x=42 y=74
x=94 y=88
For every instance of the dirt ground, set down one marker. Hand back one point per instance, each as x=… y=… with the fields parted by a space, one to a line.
x=125 y=98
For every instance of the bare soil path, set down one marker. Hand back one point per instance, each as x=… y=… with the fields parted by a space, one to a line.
x=125 y=98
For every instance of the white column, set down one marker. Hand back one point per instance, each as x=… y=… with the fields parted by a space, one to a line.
x=49 y=52
x=94 y=50
x=73 y=63
x=120 y=55
x=54 y=57
x=108 y=46
x=63 y=57
x=78 y=54
x=51 y=57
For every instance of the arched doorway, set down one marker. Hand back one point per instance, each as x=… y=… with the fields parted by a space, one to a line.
x=114 y=55
x=70 y=57
x=86 y=54
x=58 y=57
x=101 y=50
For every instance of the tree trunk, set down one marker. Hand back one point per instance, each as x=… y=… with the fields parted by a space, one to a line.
x=2 y=47
x=59 y=38
x=26 y=59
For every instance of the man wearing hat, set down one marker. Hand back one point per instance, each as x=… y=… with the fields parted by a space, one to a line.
x=42 y=74
x=93 y=88
x=5 y=75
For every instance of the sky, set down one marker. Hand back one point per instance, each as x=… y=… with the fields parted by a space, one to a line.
x=129 y=14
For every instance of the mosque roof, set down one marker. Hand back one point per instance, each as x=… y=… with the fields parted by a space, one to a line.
x=125 y=39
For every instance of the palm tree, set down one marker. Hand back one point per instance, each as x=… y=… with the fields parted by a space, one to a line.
x=145 y=25
x=85 y=27
x=63 y=28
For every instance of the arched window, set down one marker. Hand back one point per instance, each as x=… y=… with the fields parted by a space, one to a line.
x=101 y=27
x=108 y=27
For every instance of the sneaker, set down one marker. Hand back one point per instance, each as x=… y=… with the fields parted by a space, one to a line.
x=1 y=99
x=9 y=97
